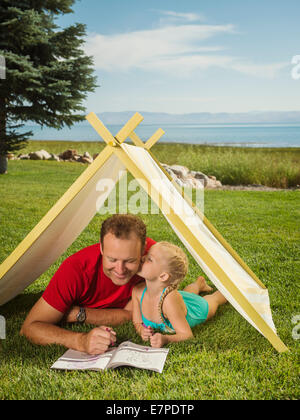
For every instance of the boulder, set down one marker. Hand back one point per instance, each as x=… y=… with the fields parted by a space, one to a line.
x=213 y=182
x=22 y=156
x=181 y=174
x=87 y=155
x=54 y=157
x=84 y=159
x=200 y=176
x=40 y=155
x=68 y=154
x=180 y=171
x=35 y=156
x=195 y=183
x=192 y=179
x=75 y=158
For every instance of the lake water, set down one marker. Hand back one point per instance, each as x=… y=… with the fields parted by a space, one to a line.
x=246 y=135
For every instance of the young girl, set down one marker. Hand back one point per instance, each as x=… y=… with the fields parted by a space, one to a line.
x=159 y=305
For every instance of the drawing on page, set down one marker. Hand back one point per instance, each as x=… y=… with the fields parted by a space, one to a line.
x=135 y=357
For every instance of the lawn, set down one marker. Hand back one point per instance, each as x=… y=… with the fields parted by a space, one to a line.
x=226 y=359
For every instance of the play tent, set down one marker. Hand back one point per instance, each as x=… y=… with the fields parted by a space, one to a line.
x=71 y=214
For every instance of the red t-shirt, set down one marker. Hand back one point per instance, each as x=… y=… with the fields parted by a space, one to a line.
x=80 y=281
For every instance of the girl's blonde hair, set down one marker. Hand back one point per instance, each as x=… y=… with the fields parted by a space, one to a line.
x=177 y=267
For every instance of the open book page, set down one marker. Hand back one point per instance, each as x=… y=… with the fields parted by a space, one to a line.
x=76 y=360
x=127 y=354
x=142 y=357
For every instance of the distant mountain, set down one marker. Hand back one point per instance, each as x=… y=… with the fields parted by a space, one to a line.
x=203 y=117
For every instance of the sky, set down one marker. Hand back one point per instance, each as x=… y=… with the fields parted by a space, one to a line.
x=192 y=55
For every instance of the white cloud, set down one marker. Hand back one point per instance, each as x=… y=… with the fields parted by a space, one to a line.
x=177 y=17
x=172 y=49
x=149 y=48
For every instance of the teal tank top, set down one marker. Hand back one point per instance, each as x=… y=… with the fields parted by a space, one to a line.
x=161 y=326
x=197 y=311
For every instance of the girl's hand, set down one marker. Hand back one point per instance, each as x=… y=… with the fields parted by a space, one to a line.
x=146 y=333
x=158 y=340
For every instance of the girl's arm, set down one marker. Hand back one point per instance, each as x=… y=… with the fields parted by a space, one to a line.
x=175 y=311
x=137 y=320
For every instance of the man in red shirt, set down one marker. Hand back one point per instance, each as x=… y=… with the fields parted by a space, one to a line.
x=94 y=286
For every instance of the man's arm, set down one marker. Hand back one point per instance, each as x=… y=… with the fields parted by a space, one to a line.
x=102 y=316
x=40 y=328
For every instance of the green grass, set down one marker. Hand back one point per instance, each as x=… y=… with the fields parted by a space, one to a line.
x=278 y=168
x=226 y=359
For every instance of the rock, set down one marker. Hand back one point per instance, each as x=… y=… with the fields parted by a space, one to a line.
x=180 y=171
x=185 y=182
x=54 y=157
x=181 y=174
x=87 y=155
x=213 y=182
x=168 y=170
x=68 y=154
x=196 y=183
x=23 y=156
x=40 y=155
x=192 y=179
x=84 y=159
x=76 y=158
x=200 y=176
x=35 y=156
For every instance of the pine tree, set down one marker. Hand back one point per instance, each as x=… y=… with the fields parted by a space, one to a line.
x=47 y=74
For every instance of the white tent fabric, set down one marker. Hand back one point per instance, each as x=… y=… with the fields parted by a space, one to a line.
x=50 y=238
x=252 y=291
x=74 y=210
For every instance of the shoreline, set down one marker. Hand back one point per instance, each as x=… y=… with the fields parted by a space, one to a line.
x=247 y=146
x=253 y=188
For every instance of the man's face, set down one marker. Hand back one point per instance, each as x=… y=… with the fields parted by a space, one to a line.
x=121 y=257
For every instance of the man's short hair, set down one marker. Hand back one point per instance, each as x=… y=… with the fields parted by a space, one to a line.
x=122 y=226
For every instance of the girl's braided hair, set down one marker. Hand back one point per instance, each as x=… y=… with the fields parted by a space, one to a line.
x=177 y=263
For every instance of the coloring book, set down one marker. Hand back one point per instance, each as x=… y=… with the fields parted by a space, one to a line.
x=127 y=354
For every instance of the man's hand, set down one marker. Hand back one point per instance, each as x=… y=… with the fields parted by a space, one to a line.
x=98 y=340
